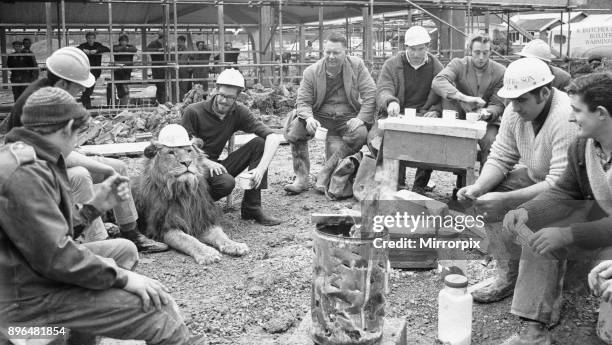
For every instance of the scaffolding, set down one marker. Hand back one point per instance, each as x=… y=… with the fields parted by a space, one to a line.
x=278 y=36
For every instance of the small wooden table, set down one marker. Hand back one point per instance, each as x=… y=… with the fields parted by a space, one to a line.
x=432 y=143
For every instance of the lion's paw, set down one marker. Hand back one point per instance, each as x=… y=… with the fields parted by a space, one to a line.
x=207 y=256
x=234 y=248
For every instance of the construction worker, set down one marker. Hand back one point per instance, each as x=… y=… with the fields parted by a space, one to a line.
x=212 y=123
x=539 y=49
x=68 y=69
x=27 y=44
x=329 y=96
x=570 y=220
x=405 y=82
x=535 y=131
x=158 y=59
x=201 y=73
x=184 y=72
x=470 y=84
x=46 y=278
x=124 y=56
x=17 y=59
x=94 y=51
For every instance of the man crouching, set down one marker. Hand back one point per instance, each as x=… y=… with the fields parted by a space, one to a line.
x=47 y=279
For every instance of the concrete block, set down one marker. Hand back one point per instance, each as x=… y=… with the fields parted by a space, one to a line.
x=394 y=333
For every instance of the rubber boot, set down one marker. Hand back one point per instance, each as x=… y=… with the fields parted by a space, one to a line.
x=301 y=167
x=533 y=333
x=324 y=175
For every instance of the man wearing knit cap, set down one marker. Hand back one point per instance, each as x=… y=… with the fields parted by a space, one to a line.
x=46 y=278
x=582 y=228
x=68 y=69
x=536 y=132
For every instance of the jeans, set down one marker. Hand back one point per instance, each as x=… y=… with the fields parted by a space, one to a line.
x=82 y=184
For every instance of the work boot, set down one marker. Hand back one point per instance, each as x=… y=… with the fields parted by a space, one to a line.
x=301 y=167
x=325 y=174
x=143 y=243
x=532 y=333
x=502 y=286
x=251 y=209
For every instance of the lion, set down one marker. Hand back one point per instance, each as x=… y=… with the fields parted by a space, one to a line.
x=174 y=205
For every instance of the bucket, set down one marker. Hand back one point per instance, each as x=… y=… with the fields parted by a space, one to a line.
x=348 y=287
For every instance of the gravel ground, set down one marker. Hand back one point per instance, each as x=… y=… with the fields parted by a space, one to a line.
x=261 y=298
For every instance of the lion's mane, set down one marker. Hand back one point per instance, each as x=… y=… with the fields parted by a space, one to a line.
x=166 y=202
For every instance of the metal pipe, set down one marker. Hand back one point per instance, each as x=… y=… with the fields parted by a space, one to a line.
x=110 y=40
x=177 y=88
x=221 y=24
x=49 y=28
x=64 y=31
x=280 y=36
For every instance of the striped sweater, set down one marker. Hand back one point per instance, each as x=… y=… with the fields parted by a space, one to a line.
x=544 y=155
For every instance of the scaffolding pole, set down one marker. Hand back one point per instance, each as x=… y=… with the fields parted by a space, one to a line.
x=280 y=36
x=110 y=41
x=177 y=89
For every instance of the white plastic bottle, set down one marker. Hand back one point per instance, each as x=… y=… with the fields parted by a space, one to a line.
x=604 y=323
x=455 y=312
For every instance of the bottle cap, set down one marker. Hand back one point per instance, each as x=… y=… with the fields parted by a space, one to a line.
x=456 y=281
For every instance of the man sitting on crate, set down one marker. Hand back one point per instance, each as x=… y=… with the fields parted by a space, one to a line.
x=405 y=82
x=535 y=132
x=212 y=123
x=471 y=84
x=587 y=177
x=329 y=97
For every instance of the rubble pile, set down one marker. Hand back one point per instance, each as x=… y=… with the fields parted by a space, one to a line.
x=130 y=126
x=269 y=104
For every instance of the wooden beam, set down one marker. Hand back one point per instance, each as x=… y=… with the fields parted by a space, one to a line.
x=320 y=31
x=49 y=24
x=145 y=57
x=265 y=36
x=221 y=23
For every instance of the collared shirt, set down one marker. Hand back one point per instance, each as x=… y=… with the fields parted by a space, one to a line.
x=538 y=122
x=605 y=161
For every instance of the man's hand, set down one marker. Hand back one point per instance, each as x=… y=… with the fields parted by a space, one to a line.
x=110 y=192
x=393 y=109
x=108 y=171
x=484 y=114
x=312 y=125
x=257 y=176
x=353 y=124
x=474 y=102
x=550 y=239
x=149 y=290
x=598 y=275
x=471 y=192
x=432 y=113
x=216 y=168
x=491 y=205
x=515 y=218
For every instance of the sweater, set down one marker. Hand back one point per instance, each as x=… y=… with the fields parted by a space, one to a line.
x=358 y=85
x=393 y=84
x=599 y=179
x=572 y=190
x=544 y=155
x=461 y=75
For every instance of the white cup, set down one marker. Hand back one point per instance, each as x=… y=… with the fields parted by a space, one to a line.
x=245 y=181
x=449 y=114
x=472 y=117
x=409 y=112
x=321 y=133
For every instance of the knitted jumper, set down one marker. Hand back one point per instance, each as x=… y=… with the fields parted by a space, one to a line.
x=572 y=191
x=544 y=155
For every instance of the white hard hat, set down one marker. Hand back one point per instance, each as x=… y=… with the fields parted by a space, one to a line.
x=231 y=77
x=72 y=64
x=536 y=49
x=173 y=135
x=524 y=75
x=416 y=35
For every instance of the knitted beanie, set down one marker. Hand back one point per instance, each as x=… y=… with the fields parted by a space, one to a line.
x=51 y=106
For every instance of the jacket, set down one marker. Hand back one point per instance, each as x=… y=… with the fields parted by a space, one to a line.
x=95 y=60
x=571 y=190
x=37 y=252
x=358 y=83
x=460 y=75
x=390 y=86
x=22 y=61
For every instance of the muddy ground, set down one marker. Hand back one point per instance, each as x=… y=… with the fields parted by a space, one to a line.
x=261 y=298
